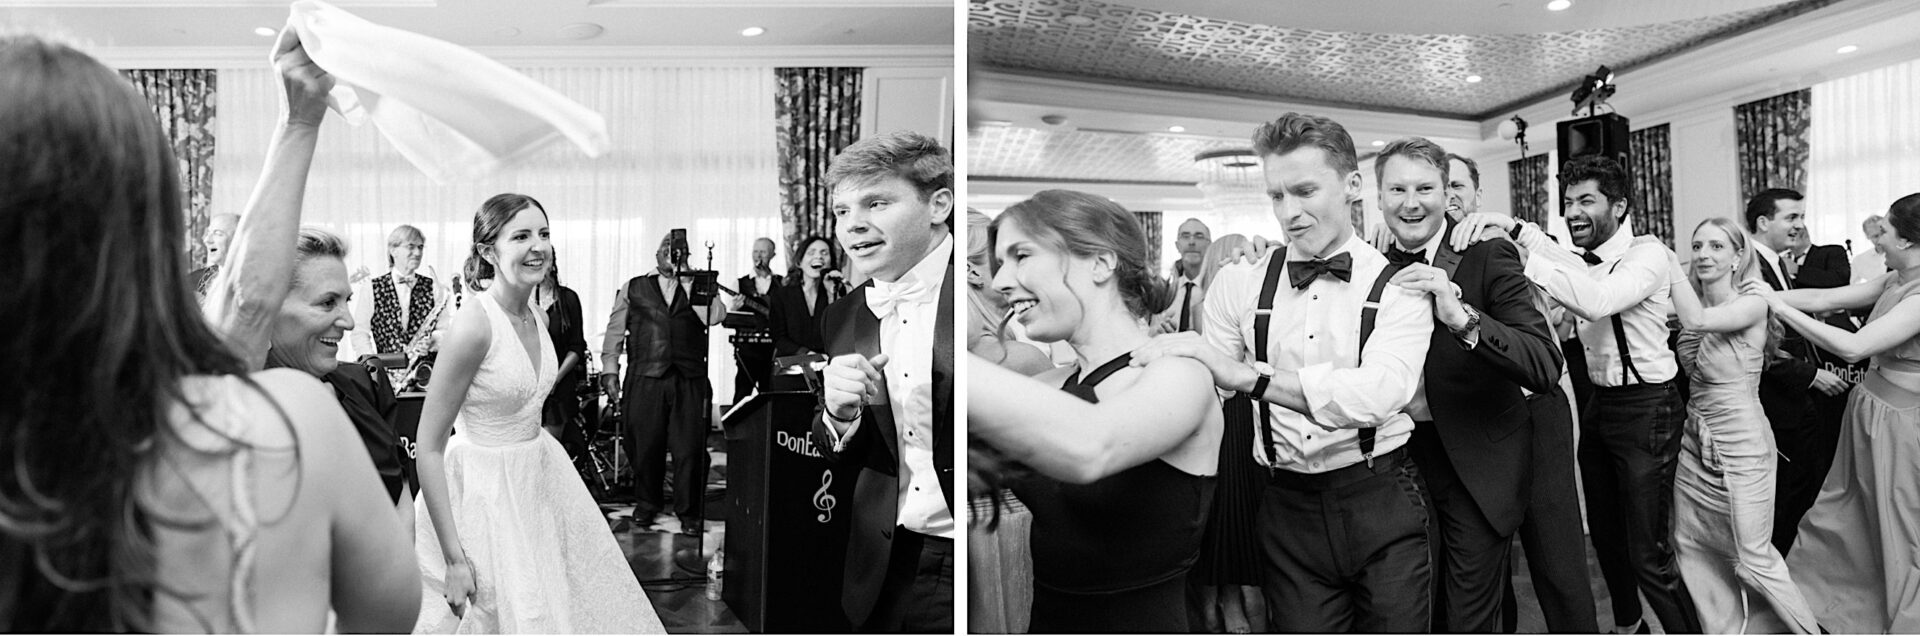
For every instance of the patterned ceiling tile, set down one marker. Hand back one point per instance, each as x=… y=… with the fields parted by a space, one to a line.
x=1002 y=150
x=1421 y=73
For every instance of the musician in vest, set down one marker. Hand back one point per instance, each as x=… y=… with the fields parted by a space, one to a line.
x=753 y=348
x=1337 y=356
x=396 y=305
x=1616 y=287
x=666 y=396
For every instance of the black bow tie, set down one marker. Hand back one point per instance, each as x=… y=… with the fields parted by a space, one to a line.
x=1302 y=273
x=1401 y=258
x=1590 y=257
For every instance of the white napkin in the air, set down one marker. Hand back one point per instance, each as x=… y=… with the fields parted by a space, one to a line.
x=454 y=113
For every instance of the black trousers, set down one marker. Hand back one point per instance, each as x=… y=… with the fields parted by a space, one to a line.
x=1469 y=555
x=753 y=367
x=1551 y=534
x=1346 y=550
x=1629 y=445
x=1808 y=446
x=669 y=414
x=917 y=596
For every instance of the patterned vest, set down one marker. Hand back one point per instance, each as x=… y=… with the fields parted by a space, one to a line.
x=389 y=336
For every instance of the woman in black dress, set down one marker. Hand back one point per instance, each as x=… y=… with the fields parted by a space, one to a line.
x=569 y=336
x=1124 y=457
x=797 y=305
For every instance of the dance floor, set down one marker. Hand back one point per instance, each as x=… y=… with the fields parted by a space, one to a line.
x=1531 y=622
x=673 y=567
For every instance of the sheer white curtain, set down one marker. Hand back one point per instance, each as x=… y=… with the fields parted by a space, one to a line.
x=1864 y=150
x=692 y=148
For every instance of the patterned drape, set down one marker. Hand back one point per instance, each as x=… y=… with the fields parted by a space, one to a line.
x=1771 y=138
x=1150 y=224
x=816 y=114
x=1527 y=188
x=183 y=99
x=1651 y=155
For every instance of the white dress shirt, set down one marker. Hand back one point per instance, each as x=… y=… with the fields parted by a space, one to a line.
x=1770 y=260
x=906 y=337
x=1417 y=408
x=1184 y=299
x=1630 y=280
x=1317 y=332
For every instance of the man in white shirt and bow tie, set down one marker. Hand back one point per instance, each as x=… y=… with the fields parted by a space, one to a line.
x=1616 y=287
x=1342 y=528
x=888 y=391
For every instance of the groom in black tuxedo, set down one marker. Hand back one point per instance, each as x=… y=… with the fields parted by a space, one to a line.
x=1472 y=432
x=888 y=391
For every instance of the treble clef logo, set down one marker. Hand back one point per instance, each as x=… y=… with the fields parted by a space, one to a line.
x=822 y=500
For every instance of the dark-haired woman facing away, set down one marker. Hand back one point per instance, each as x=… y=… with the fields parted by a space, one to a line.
x=147 y=482
x=511 y=542
x=1125 y=456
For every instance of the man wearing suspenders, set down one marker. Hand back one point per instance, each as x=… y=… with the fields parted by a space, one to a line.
x=1631 y=429
x=1338 y=354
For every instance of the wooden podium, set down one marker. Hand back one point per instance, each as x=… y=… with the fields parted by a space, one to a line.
x=786 y=538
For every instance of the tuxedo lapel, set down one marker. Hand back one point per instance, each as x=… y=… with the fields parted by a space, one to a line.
x=866 y=342
x=943 y=388
x=1446 y=258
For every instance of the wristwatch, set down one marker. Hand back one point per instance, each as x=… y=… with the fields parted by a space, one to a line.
x=1473 y=320
x=1266 y=377
x=1515 y=232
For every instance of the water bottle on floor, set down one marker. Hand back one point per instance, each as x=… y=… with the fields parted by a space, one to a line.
x=715 y=568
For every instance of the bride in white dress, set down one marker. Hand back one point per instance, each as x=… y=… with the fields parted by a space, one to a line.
x=514 y=544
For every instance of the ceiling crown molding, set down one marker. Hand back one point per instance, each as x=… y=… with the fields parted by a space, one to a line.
x=578 y=56
x=197 y=4
x=771 y=4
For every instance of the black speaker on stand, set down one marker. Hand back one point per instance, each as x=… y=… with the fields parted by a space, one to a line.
x=1597 y=134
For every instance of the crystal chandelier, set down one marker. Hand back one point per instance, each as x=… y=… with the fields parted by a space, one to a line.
x=1231 y=181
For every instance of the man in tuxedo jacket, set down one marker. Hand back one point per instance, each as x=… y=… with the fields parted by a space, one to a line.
x=888 y=391
x=1790 y=386
x=1472 y=435
x=1550 y=529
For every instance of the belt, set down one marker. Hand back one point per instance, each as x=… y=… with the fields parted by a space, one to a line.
x=1383 y=463
x=1636 y=386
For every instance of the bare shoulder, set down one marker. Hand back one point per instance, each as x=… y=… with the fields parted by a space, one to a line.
x=469 y=328
x=311 y=410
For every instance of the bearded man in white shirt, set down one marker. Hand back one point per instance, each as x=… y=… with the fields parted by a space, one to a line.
x=888 y=391
x=1616 y=287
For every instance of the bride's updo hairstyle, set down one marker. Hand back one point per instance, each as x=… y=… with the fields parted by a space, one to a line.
x=1087 y=225
x=488 y=221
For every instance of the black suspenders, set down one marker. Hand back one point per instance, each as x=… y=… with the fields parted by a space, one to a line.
x=1263 y=318
x=1620 y=340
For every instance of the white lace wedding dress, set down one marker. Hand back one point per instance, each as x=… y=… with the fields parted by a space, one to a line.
x=543 y=555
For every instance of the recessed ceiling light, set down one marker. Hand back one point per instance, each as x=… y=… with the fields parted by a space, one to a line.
x=1847 y=49
x=507 y=32
x=1078 y=20
x=752 y=31
x=265 y=32
x=582 y=31
x=1473 y=79
x=1377 y=143
x=1559 y=5
x=1176 y=129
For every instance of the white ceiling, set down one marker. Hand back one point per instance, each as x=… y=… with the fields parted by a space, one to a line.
x=230 y=24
